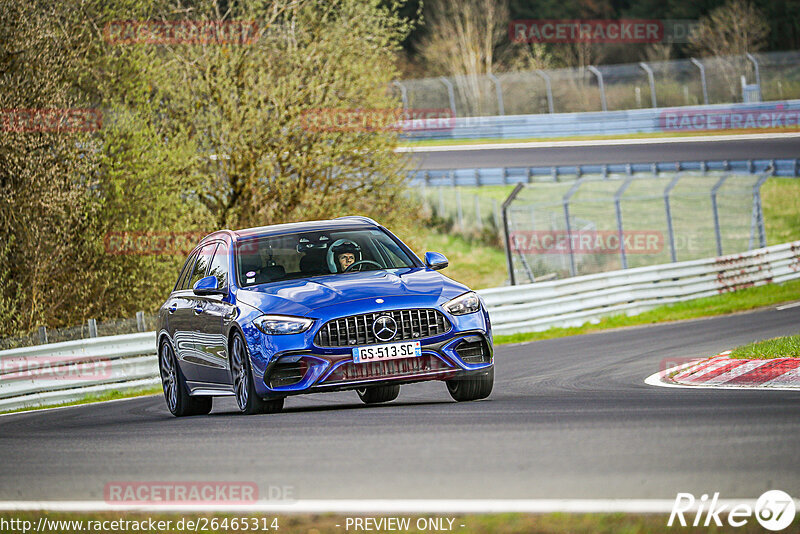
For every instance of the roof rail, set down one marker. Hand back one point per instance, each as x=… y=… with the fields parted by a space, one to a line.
x=360 y=218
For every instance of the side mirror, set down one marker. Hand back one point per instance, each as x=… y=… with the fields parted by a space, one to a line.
x=208 y=286
x=435 y=261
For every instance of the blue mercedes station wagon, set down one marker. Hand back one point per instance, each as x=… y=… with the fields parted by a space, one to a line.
x=264 y=313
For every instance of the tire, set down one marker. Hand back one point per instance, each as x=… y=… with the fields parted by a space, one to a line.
x=244 y=388
x=471 y=388
x=179 y=402
x=376 y=394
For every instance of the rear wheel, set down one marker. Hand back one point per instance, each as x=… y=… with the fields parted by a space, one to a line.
x=471 y=388
x=246 y=397
x=176 y=393
x=376 y=394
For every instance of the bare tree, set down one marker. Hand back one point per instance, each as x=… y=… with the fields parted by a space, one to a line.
x=730 y=30
x=463 y=40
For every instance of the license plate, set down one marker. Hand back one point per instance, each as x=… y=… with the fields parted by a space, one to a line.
x=390 y=351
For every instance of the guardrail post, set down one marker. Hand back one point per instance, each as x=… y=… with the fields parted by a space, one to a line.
x=667 y=190
x=477 y=178
x=702 y=79
x=507 y=241
x=42 y=335
x=92 y=328
x=403 y=95
x=499 y=91
x=715 y=212
x=752 y=58
x=652 y=81
x=565 y=202
x=618 y=211
x=548 y=88
x=450 y=93
x=140 y=321
x=594 y=70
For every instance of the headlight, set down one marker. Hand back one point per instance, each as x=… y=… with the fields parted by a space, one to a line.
x=282 y=324
x=466 y=303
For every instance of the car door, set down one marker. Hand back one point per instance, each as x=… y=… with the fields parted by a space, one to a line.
x=189 y=319
x=210 y=310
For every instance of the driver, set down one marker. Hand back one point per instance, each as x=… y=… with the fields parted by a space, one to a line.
x=343 y=254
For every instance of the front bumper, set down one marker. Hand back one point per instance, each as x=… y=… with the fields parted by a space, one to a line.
x=293 y=364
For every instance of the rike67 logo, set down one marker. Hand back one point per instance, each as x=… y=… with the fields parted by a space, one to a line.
x=774 y=510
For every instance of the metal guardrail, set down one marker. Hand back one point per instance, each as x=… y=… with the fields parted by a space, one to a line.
x=512 y=175
x=574 y=301
x=62 y=372
x=763 y=116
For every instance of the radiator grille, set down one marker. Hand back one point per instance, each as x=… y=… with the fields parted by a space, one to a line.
x=357 y=329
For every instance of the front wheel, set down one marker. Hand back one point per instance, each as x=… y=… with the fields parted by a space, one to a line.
x=376 y=394
x=246 y=397
x=471 y=388
x=176 y=393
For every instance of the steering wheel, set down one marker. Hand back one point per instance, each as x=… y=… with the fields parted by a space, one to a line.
x=361 y=262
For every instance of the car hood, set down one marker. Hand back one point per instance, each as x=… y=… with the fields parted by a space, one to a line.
x=300 y=297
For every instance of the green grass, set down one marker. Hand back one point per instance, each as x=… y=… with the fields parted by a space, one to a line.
x=779 y=347
x=657 y=135
x=780 y=199
x=745 y=299
x=110 y=395
x=557 y=523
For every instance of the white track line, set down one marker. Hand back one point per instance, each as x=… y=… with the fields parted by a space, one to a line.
x=599 y=142
x=408 y=506
x=787 y=306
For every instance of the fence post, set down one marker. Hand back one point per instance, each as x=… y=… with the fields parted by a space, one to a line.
x=600 y=84
x=752 y=58
x=459 y=210
x=548 y=88
x=507 y=241
x=140 y=321
x=499 y=90
x=441 y=202
x=92 y=328
x=652 y=81
x=565 y=202
x=618 y=211
x=478 y=219
x=496 y=213
x=757 y=223
x=42 y=335
x=450 y=93
x=702 y=78
x=667 y=190
x=715 y=211
x=403 y=95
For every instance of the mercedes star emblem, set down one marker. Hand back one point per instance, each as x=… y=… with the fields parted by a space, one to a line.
x=384 y=328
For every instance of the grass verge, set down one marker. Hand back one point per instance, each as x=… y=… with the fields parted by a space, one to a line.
x=743 y=300
x=96 y=397
x=657 y=135
x=779 y=347
x=59 y=522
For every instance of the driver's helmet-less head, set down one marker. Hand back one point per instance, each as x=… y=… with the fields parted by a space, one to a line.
x=342 y=246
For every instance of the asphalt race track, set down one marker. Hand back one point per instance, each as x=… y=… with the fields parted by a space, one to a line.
x=599 y=153
x=568 y=418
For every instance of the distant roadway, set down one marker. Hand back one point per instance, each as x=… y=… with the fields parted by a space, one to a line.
x=535 y=154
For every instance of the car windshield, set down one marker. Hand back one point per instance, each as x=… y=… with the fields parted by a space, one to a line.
x=305 y=254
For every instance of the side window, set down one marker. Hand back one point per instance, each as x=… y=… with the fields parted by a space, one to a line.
x=183 y=279
x=219 y=265
x=201 y=265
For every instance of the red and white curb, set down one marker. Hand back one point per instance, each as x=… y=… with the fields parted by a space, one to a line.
x=723 y=372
